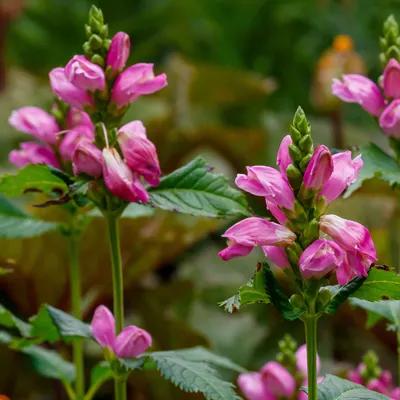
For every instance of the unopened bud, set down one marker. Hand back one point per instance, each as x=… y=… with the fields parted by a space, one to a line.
x=95 y=42
x=97 y=59
x=295 y=153
x=297 y=301
x=324 y=297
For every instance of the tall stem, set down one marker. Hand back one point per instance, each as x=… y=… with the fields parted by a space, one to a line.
x=118 y=290
x=398 y=357
x=76 y=306
x=310 y=325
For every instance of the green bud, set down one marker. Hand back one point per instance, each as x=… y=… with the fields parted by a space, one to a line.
x=311 y=232
x=88 y=31
x=95 y=42
x=95 y=14
x=295 y=134
x=306 y=144
x=324 y=297
x=97 y=59
x=297 y=301
x=87 y=50
x=390 y=41
x=294 y=175
x=371 y=370
x=295 y=153
x=104 y=31
x=293 y=254
x=304 y=162
x=107 y=43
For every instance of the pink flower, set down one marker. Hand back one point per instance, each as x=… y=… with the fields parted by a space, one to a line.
x=33 y=153
x=389 y=120
x=345 y=172
x=118 y=53
x=135 y=81
x=71 y=140
x=68 y=92
x=391 y=79
x=84 y=74
x=395 y=395
x=283 y=159
x=358 y=89
x=87 y=159
x=119 y=179
x=301 y=360
x=319 y=258
x=278 y=380
x=78 y=118
x=250 y=232
x=36 y=122
x=319 y=169
x=131 y=342
x=269 y=183
x=277 y=255
x=252 y=386
x=140 y=154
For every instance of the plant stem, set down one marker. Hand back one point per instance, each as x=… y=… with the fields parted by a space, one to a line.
x=310 y=325
x=118 y=290
x=398 y=357
x=76 y=306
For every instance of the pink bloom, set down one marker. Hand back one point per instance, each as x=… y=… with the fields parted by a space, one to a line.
x=391 y=79
x=345 y=172
x=269 y=183
x=319 y=258
x=253 y=388
x=389 y=120
x=395 y=395
x=250 y=232
x=120 y=180
x=377 y=386
x=33 y=153
x=131 y=341
x=135 y=81
x=87 y=159
x=358 y=89
x=71 y=140
x=68 y=92
x=277 y=255
x=283 y=159
x=355 y=376
x=139 y=152
x=278 y=380
x=118 y=53
x=77 y=117
x=36 y=122
x=301 y=360
x=319 y=169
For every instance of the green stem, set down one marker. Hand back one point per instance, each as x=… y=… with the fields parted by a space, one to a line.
x=398 y=357
x=310 y=325
x=118 y=290
x=76 y=306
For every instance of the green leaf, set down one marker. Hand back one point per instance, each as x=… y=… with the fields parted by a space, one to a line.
x=379 y=285
x=193 y=376
x=388 y=309
x=194 y=189
x=100 y=373
x=343 y=293
x=250 y=293
x=43 y=326
x=377 y=164
x=334 y=388
x=35 y=178
x=9 y=320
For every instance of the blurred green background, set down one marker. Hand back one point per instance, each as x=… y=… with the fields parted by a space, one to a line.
x=237 y=71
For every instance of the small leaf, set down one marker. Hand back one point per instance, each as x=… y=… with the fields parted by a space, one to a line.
x=343 y=293
x=43 y=326
x=9 y=320
x=376 y=164
x=99 y=374
x=334 y=388
x=35 y=178
x=379 y=285
x=193 y=189
x=193 y=376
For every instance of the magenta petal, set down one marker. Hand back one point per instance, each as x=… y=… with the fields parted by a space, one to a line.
x=252 y=386
x=301 y=360
x=33 y=153
x=103 y=327
x=278 y=380
x=87 y=159
x=277 y=255
x=391 y=79
x=132 y=342
x=319 y=168
x=234 y=250
x=283 y=159
x=389 y=120
x=118 y=53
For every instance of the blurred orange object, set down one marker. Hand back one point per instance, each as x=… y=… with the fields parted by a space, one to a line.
x=4 y=397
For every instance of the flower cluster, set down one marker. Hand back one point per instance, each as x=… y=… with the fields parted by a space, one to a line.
x=369 y=374
x=131 y=342
x=93 y=94
x=296 y=195
x=278 y=379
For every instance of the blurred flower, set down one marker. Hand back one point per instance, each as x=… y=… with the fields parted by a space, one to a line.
x=33 y=153
x=131 y=342
x=389 y=120
x=87 y=159
x=391 y=79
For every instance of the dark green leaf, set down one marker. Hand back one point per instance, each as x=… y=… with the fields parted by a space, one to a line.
x=99 y=374
x=343 y=293
x=376 y=164
x=9 y=320
x=43 y=326
x=334 y=388
x=36 y=178
x=194 y=189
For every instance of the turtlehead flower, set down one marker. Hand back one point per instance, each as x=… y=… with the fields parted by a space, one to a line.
x=71 y=140
x=137 y=80
x=68 y=92
x=283 y=159
x=278 y=379
x=118 y=53
x=131 y=342
x=389 y=120
x=78 y=118
x=251 y=232
x=354 y=88
x=120 y=180
x=277 y=255
x=33 y=153
x=139 y=152
x=391 y=79
x=87 y=159
x=319 y=168
x=36 y=122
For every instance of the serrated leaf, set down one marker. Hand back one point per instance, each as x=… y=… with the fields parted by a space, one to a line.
x=334 y=388
x=377 y=164
x=9 y=320
x=193 y=376
x=36 y=178
x=379 y=285
x=193 y=189
x=343 y=293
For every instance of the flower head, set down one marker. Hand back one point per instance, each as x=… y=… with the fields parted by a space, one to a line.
x=118 y=52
